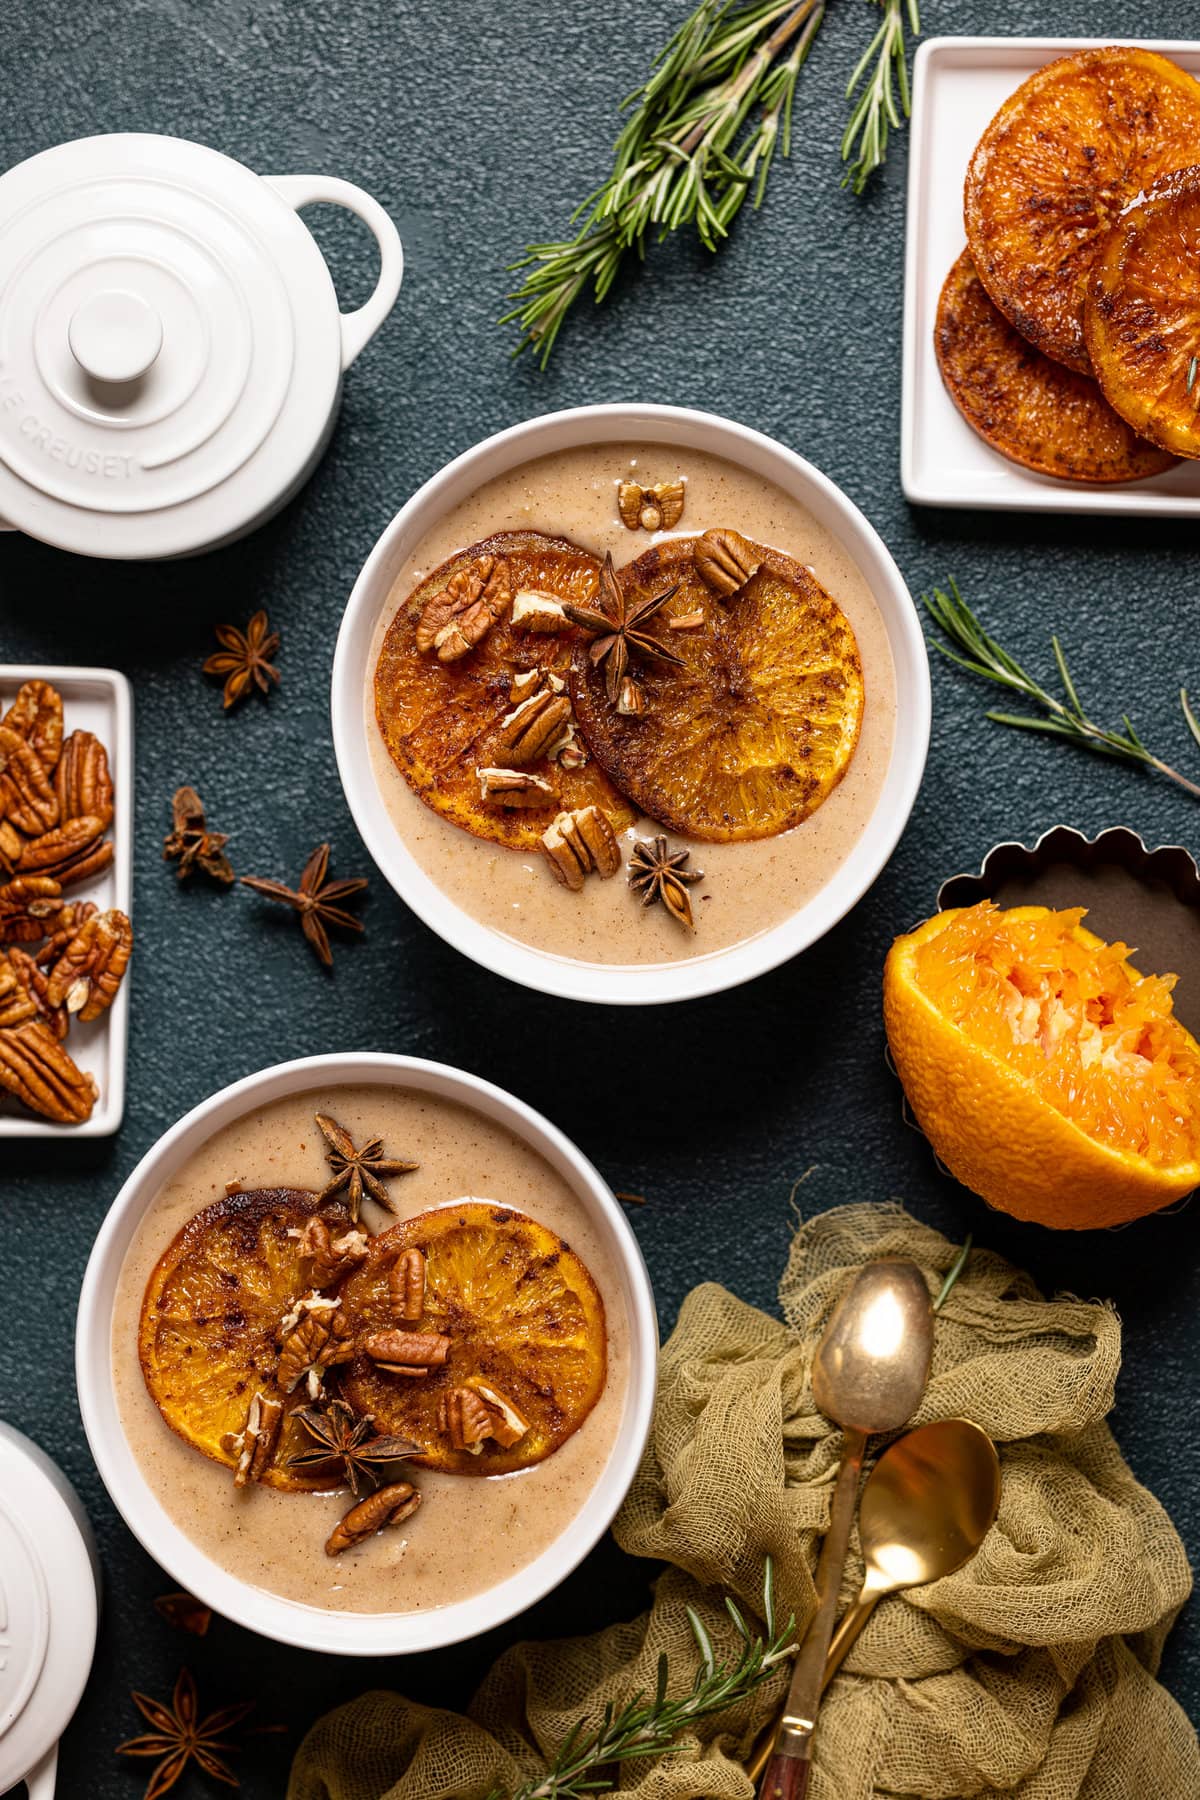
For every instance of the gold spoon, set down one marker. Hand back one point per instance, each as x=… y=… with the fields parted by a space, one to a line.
x=927 y=1506
x=868 y=1375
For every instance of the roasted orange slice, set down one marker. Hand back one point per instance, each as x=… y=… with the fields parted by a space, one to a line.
x=208 y=1337
x=442 y=721
x=750 y=734
x=1032 y=410
x=1143 y=314
x=525 y=1324
x=1048 y=1074
x=1053 y=171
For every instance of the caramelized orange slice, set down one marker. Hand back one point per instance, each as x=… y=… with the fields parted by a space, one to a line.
x=756 y=728
x=1143 y=314
x=1053 y=171
x=526 y=1327
x=1032 y=410
x=208 y=1337
x=1048 y=1074
x=441 y=721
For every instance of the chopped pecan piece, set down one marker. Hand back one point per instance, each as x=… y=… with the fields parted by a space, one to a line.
x=82 y=781
x=532 y=727
x=686 y=621
x=26 y=907
x=406 y=1352
x=631 y=702
x=406 y=1286
x=656 y=508
x=572 y=755
x=389 y=1505
x=254 y=1445
x=324 y=1259
x=27 y=799
x=524 y=682
x=35 y=1067
x=458 y=618
x=534 y=611
x=72 y=852
x=509 y=1424
x=88 y=973
x=724 y=561
x=464 y=1419
x=35 y=984
x=579 y=842
x=37 y=715
x=515 y=788
x=319 y=1340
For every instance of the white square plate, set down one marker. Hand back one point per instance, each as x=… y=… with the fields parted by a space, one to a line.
x=958 y=85
x=96 y=700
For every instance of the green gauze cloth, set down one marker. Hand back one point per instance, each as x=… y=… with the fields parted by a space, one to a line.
x=1030 y=1672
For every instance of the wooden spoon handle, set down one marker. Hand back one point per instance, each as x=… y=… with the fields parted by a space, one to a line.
x=785 y=1778
x=847 y=1633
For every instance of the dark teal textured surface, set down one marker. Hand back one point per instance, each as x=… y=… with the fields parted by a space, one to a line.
x=479 y=126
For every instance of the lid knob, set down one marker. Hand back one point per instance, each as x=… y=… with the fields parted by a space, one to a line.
x=114 y=335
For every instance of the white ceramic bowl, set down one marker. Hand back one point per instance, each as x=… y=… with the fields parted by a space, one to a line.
x=353 y=1634
x=750 y=450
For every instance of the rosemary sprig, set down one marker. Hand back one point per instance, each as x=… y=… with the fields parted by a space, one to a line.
x=700 y=139
x=875 y=111
x=648 y=1725
x=983 y=656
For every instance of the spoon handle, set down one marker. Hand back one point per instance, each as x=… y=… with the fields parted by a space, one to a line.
x=786 y=1774
x=846 y=1635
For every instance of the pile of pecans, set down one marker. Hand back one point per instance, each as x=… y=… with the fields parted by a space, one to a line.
x=60 y=959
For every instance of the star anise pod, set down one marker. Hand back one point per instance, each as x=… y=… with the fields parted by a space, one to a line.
x=180 y=1736
x=619 y=629
x=339 y=1436
x=244 y=660
x=192 y=844
x=659 y=873
x=316 y=900
x=358 y=1170
x=184 y=1612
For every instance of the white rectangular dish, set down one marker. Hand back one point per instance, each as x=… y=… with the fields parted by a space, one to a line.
x=958 y=85
x=97 y=700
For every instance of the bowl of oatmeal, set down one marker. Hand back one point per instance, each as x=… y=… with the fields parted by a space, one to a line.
x=630 y=703
x=366 y=1354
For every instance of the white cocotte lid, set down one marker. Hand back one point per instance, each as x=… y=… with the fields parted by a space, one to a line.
x=49 y=1599
x=171 y=349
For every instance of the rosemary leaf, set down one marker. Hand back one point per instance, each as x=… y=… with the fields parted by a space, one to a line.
x=979 y=653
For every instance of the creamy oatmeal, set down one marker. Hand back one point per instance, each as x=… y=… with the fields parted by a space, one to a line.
x=274 y=1539
x=748 y=887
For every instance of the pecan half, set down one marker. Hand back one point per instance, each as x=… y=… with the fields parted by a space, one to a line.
x=319 y=1340
x=406 y=1286
x=27 y=799
x=389 y=1505
x=533 y=610
x=406 y=1352
x=324 y=1258
x=532 y=727
x=62 y=928
x=35 y=985
x=16 y=1002
x=724 y=561
x=37 y=715
x=35 y=1067
x=464 y=1419
x=254 y=1445
x=74 y=850
x=12 y=847
x=515 y=788
x=579 y=842
x=82 y=781
x=462 y=614
x=87 y=975
x=655 y=508
x=26 y=907
x=509 y=1423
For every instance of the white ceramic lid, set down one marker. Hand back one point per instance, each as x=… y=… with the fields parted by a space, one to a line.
x=48 y=1606
x=170 y=342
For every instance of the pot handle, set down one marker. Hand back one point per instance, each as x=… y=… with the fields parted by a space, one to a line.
x=41 y=1779
x=360 y=326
